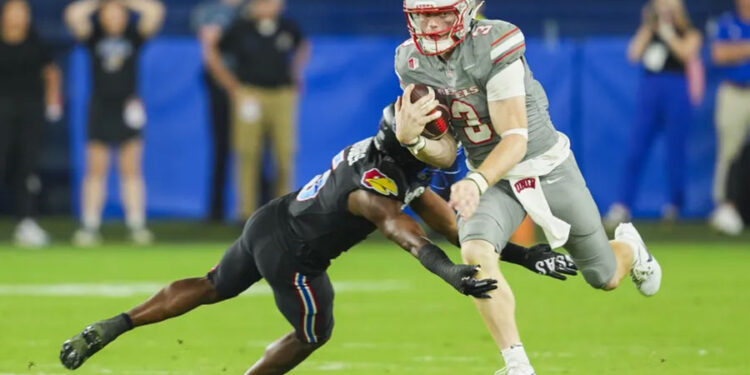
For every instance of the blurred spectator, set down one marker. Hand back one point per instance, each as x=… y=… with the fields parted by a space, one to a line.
x=209 y=20
x=731 y=50
x=116 y=114
x=665 y=43
x=29 y=82
x=270 y=54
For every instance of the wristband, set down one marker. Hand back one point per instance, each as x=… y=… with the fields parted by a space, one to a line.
x=417 y=146
x=479 y=180
x=523 y=132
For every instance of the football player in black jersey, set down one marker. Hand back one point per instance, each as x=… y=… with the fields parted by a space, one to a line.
x=291 y=241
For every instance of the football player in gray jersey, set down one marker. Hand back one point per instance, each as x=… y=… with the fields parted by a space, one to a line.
x=519 y=163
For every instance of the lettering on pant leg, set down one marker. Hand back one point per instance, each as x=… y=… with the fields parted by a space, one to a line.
x=526 y=183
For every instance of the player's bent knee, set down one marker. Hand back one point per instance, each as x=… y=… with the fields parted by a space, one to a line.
x=598 y=278
x=478 y=252
x=313 y=343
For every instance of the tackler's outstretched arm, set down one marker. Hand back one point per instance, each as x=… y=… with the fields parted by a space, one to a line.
x=398 y=227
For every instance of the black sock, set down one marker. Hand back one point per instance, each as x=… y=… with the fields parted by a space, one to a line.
x=115 y=326
x=128 y=321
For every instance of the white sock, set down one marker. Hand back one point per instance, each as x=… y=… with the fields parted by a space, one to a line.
x=135 y=221
x=515 y=355
x=91 y=222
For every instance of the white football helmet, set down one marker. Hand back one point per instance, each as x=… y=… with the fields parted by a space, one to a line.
x=438 y=42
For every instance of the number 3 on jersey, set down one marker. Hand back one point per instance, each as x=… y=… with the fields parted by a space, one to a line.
x=475 y=130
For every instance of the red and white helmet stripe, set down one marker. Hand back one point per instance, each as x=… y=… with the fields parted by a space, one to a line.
x=441 y=41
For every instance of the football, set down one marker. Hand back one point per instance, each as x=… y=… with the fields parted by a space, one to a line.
x=437 y=128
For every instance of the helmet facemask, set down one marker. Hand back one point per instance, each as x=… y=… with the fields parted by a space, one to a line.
x=432 y=43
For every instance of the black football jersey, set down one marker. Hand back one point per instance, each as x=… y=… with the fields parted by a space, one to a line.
x=319 y=223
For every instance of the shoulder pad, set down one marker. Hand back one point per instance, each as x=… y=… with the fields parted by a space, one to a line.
x=406 y=60
x=499 y=42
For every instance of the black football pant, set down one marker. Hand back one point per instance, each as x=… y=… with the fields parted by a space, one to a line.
x=21 y=124
x=306 y=301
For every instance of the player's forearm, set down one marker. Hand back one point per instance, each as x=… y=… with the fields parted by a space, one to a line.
x=151 y=12
x=81 y=9
x=77 y=16
x=405 y=232
x=439 y=153
x=434 y=259
x=147 y=8
x=686 y=48
x=52 y=84
x=219 y=70
x=437 y=214
x=638 y=44
x=730 y=53
x=506 y=155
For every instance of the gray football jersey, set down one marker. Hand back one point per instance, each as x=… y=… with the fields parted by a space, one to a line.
x=489 y=48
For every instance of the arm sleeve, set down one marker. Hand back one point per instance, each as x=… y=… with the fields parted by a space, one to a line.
x=507 y=83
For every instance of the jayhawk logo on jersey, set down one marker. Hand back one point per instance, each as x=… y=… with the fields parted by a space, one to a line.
x=376 y=180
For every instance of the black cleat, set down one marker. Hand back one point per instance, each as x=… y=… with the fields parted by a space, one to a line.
x=81 y=347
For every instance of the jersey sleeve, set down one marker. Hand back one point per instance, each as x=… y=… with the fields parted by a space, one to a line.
x=405 y=63
x=499 y=44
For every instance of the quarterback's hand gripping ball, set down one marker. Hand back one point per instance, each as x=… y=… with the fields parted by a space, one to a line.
x=419 y=112
x=436 y=128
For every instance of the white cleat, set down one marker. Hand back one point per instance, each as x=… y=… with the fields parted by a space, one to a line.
x=87 y=238
x=516 y=369
x=29 y=234
x=142 y=237
x=646 y=271
x=727 y=220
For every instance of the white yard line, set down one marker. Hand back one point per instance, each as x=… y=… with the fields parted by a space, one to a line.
x=121 y=290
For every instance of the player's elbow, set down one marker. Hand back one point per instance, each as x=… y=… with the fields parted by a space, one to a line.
x=446 y=161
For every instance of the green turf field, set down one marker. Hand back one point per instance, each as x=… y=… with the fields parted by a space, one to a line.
x=392 y=317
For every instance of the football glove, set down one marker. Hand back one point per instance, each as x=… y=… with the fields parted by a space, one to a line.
x=542 y=260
